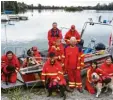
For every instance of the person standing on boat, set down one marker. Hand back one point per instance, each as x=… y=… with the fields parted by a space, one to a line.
x=72 y=33
x=53 y=34
x=9 y=65
x=52 y=75
x=73 y=65
x=58 y=49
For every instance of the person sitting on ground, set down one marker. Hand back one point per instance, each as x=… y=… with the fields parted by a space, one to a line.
x=52 y=75
x=9 y=66
x=90 y=83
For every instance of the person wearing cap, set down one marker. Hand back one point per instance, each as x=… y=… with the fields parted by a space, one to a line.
x=58 y=49
x=72 y=33
x=52 y=72
x=73 y=65
x=9 y=67
x=53 y=34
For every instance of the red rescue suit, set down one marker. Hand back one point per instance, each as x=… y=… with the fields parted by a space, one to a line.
x=70 y=34
x=59 y=53
x=73 y=66
x=13 y=62
x=53 y=72
x=89 y=80
x=107 y=68
x=53 y=35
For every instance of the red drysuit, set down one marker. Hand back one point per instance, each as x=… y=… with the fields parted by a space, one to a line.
x=107 y=68
x=5 y=62
x=59 y=52
x=53 y=72
x=70 y=34
x=53 y=35
x=73 y=66
x=36 y=53
x=89 y=81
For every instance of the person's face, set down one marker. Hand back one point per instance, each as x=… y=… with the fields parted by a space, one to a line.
x=10 y=56
x=54 y=26
x=93 y=65
x=73 y=43
x=72 y=29
x=52 y=60
x=108 y=61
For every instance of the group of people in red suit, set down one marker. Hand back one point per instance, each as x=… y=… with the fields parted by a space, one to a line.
x=61 y=60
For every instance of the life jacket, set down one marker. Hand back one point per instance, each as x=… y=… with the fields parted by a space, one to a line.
x=55 y=33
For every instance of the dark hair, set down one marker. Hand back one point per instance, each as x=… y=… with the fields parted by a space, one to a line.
x=94 y=62
x=54 y=23
x=9 y=52
x=108 y=58
x=51 y=54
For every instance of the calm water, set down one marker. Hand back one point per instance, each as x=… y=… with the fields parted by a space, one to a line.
x=33 y=32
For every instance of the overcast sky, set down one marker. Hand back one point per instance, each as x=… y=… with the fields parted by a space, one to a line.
x=67 y=2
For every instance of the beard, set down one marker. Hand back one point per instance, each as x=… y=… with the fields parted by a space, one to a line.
x=52 y=62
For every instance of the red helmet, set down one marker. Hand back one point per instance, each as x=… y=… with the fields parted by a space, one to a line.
x=72 y=26
x=34 y=48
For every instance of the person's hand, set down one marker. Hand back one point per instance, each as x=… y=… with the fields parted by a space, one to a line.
x=55 y=80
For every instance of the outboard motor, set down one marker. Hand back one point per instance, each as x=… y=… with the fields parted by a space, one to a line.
x=100 y=46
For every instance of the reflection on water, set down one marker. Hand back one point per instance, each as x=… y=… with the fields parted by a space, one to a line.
x=34 y=31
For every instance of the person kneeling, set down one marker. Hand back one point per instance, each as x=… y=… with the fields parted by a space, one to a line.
x=52 y=76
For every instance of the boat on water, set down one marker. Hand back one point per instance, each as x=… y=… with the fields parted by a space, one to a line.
x=90 y=55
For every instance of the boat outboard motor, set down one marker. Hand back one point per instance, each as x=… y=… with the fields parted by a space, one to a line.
x=100 y=46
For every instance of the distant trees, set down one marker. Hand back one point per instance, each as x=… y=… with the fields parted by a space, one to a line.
x=21 y=6
x=104 y=6
x=13 y=6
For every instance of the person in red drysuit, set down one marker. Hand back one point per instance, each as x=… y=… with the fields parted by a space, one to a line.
x=58 y=49
x=36 y=53
x=107 y=66
x=73 y=65
x=30 y=61
x=89 y=81
x=7 y=60
x=53 y=34
x=53 y=72
x=72 y=33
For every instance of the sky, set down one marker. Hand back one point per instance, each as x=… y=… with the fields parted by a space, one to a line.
x=67 y=2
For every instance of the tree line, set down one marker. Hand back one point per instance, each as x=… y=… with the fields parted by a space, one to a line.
x=21 y=6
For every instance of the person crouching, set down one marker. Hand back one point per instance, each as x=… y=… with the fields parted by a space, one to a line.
x=52 y=76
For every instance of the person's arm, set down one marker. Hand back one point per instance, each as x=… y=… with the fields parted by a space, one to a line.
x=50 y=39
x=78 y=37
x=89 y=76
x=61 y=35
x=43 y=74
x=17 y=63
x=3 y=62
x=67 y=39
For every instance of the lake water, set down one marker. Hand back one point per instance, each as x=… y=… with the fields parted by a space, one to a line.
x=33 y=32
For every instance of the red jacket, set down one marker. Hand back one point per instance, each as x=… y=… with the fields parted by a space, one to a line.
x=70 y=34
x=107 y=69
x=37 y=54
x=72 y=58
x=52 y=72
x=59 y=52
x=98 y=71
x=52 y=36
x=14 y=62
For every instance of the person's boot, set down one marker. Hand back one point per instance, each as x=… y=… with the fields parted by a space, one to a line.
x=80 y=90
x=69 y=89
x=49 y=92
